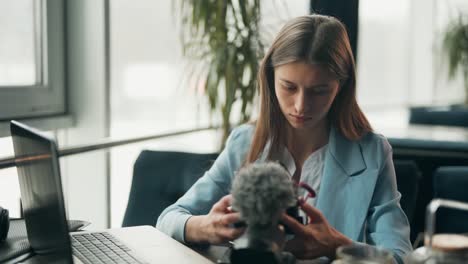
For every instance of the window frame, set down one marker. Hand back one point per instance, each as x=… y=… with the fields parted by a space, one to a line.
x=48 y=98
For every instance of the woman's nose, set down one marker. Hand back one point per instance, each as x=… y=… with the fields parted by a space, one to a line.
x=299 y=103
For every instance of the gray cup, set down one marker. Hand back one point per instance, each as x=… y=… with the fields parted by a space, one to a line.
x=362 y=254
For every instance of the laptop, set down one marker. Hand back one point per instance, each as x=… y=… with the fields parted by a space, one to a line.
x=37 y=161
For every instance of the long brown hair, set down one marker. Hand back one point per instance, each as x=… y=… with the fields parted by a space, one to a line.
x=311 y=39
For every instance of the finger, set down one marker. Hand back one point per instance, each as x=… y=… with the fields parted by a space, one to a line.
x=313 y=213
x=292 y=223
x=223 y=203
x=280 y=236
x=230 y=218
x=281 y=228
x=294 y=245
x=231 y=233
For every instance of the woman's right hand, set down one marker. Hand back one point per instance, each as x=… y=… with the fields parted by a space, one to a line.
x=216 y=226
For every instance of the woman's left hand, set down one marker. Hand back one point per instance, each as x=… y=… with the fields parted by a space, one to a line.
x=316 y=239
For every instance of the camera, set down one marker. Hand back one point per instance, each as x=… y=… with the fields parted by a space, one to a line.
x=293 y=212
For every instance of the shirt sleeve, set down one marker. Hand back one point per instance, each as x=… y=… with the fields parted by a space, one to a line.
x=387 y=224
x=209 y=189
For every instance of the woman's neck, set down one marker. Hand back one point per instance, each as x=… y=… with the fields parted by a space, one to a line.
x=302 y=143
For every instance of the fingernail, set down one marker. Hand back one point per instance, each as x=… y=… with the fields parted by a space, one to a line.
x=300 y=201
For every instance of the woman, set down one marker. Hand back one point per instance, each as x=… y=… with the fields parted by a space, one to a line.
x=310 y=121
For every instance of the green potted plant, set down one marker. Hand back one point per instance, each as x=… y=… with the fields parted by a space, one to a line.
x=455 y=47
x=222 y=41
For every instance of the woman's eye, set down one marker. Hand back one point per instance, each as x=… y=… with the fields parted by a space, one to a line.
x=289 y=87
x=321 y=90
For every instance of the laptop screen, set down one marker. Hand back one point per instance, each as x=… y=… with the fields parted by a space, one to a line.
x=41 y=191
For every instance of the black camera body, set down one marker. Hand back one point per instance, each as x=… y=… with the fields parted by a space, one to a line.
x=293 y=212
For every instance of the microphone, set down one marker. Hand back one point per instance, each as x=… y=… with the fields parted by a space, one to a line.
x=261 y=194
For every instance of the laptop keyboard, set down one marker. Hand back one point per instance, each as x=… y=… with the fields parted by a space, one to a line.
x=101 y=247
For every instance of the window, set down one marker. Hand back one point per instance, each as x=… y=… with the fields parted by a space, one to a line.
x=399 y=59
x=384 y=53
x=32 y=58
x=147 y=97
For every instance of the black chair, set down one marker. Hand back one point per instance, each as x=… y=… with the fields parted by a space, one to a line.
x=451 y=182
x=428 y=155
x=159 y=179
x=445 y=116
x=408 y=176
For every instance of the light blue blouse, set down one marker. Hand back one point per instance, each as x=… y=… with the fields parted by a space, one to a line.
x=358 y=192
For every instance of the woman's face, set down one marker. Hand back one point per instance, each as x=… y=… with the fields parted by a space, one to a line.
x=305 y=93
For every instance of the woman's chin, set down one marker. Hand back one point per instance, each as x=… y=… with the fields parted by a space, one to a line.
x=301 y=124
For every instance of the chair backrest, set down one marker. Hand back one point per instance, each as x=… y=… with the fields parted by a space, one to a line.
x=408 y=176
x=451 y=182
x=433 y=116
x=159 y=179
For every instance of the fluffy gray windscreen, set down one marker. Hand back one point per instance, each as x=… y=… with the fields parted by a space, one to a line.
x=261 y=192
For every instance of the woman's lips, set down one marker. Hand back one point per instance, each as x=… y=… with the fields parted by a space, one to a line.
x=300 y=118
